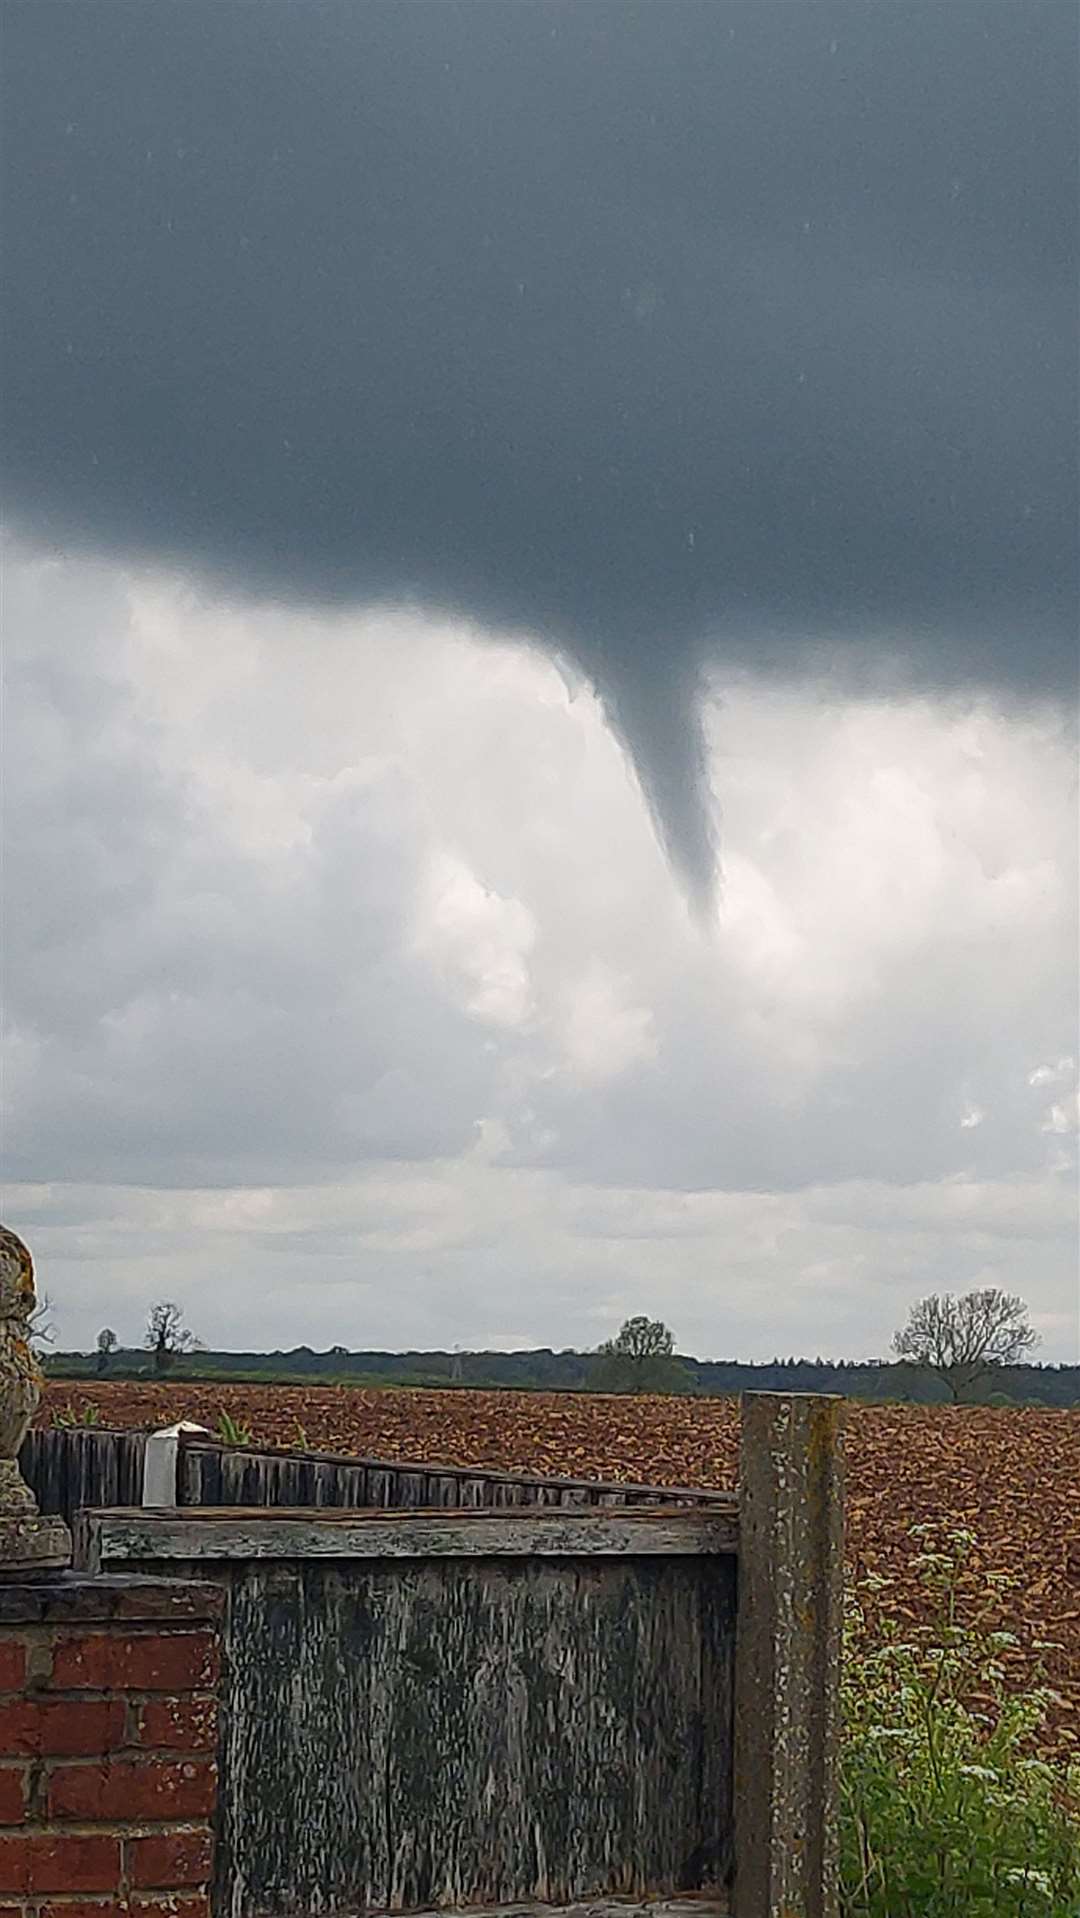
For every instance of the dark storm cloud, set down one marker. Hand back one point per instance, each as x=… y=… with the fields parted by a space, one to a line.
x=653 y=329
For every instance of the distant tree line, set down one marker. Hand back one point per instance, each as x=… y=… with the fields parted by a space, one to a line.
x=974 y=1348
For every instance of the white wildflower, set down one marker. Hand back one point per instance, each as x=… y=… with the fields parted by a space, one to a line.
x=1029 y=1879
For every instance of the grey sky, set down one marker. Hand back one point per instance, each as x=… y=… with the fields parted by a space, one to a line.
x=653 y=329
x=405 y=403
x=348 y=996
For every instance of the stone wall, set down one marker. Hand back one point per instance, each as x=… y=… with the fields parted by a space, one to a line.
x=108 y=1733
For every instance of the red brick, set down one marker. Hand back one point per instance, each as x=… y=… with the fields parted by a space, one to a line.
x=171 y=1905
x=169 y=1858
x=179 y=1724
x=59 y=1861
x=12 y=1794
x=136 y=1662
x=129 y=1791
x=84 y=1908
x=61 y=1727
x=12 y=1664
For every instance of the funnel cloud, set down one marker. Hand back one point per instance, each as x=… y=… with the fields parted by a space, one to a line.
x=667 y=335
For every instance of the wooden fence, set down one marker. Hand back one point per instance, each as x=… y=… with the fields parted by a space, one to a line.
x=431 y=1709
x=210 y=1474
x=73 y=1469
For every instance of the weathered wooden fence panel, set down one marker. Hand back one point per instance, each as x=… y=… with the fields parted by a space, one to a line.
x=211 y=1475
x=522 y=1707
x=465 y=1734
x=71 y=1468
x=507 y=1709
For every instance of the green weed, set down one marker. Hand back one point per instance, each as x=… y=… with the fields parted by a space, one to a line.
x=947 y=1808
x=77 y=1415
x=233 y=1431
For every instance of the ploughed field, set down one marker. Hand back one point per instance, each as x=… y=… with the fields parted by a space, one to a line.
x=1011 y=1476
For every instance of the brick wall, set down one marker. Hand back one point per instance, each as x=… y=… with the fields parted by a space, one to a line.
x=108 y=1721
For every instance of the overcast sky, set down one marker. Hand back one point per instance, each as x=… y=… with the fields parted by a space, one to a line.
x=540 y=606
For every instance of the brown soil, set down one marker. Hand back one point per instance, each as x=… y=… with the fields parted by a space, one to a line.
x=1012 y=1476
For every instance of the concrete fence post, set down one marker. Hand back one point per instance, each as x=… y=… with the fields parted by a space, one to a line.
x=787 y=1662
x=160 y=1461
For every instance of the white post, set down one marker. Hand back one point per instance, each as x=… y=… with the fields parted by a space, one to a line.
x=159 y=1464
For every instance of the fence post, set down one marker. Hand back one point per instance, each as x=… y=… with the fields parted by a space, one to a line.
x=787 y=1659
x=159 y=1463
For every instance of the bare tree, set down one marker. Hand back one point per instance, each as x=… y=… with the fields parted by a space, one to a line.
x=641 y=1359
x=166 y=1335
x=40 y=1331
x=107 y=1343
x=962 y=1340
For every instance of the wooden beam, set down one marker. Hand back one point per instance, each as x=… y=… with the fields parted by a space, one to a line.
x=229 y=1532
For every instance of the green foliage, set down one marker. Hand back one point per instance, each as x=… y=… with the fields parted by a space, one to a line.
x=233 y=1431
x=77 y=1415
x=948 y=1811
x=107 y=1343
x=543 y=1370
x=641 y=1359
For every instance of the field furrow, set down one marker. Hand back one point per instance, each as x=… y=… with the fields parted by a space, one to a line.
x=1012 y=1476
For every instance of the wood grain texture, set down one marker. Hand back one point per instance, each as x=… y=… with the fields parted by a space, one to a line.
x=212 y=1474
x=474 y=1732
x=69 y=1468
x=132 y=1537
x=74 y=1469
